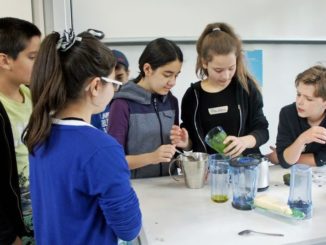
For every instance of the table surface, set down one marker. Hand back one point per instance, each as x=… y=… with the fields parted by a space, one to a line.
x=175 y=215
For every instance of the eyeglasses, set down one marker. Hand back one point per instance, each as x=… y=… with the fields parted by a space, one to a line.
x=116 y=84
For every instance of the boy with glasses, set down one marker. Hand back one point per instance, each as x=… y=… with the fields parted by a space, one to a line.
x=100 y=120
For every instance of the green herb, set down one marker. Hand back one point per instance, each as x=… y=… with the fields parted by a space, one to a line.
x=286 y=179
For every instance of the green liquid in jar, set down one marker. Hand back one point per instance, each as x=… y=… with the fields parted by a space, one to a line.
x=216 y=142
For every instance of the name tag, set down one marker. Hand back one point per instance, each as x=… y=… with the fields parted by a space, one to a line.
x=218 y=110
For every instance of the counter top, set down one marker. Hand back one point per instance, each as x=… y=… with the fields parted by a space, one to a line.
x=175 y=215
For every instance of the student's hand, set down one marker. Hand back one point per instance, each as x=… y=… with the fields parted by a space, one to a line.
x=179 y=137
x=272 y=156
x=314 y=134
x=235 y=146
x=18 y=241
x=163 y=154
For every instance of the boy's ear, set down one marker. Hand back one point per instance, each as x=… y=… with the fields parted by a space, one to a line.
x=4 y=62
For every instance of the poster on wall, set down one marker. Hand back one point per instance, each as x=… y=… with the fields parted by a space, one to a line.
x=254 y=60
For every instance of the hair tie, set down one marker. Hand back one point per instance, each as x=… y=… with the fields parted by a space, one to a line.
x=216 y=29
x=96 y=33
x=67 y=40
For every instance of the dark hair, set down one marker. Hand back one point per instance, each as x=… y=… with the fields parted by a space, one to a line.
x=60 y=77
x=15 y=35
x=220 y=39
x=158 y=53
x=315 y=76
x=119 y=66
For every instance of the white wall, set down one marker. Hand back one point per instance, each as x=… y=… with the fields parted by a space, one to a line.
x=16 y=8
x=183 y=19
x=281 y=64
x=30 y=10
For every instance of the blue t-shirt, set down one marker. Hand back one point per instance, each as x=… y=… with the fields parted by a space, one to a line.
x=80 y=187
x=101 y=120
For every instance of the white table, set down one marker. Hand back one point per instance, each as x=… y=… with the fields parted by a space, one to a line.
x=176 y=215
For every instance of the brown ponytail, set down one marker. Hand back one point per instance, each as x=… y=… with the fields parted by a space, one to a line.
x=59 y=77
x=220 y=39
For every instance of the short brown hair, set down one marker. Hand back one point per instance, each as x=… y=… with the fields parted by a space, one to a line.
x=315 y=76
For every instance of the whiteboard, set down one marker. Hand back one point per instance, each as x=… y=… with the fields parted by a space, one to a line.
x=134 y=20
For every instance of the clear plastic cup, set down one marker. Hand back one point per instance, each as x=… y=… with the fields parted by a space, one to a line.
x=219 y=177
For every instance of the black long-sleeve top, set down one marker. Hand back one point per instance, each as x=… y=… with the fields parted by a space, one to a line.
x=289 y=128
x=11 y=218
x=252 y=120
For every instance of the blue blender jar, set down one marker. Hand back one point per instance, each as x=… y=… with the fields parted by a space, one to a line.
x=244 y=174
x=300 y=197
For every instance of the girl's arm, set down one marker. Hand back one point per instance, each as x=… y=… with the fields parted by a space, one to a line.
x=163 y=153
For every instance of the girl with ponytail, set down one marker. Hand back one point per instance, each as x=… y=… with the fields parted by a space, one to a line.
x=79 y=176
x=226 y=95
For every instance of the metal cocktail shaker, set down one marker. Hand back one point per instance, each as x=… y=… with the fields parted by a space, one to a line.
x=263 y=172
x=263 y=177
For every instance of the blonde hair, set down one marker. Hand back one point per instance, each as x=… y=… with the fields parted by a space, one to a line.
x=220 y=39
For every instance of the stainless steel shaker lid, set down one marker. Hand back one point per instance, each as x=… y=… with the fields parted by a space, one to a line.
x=244 y=162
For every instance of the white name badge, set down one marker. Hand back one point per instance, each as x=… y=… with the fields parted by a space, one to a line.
x=218 y=110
